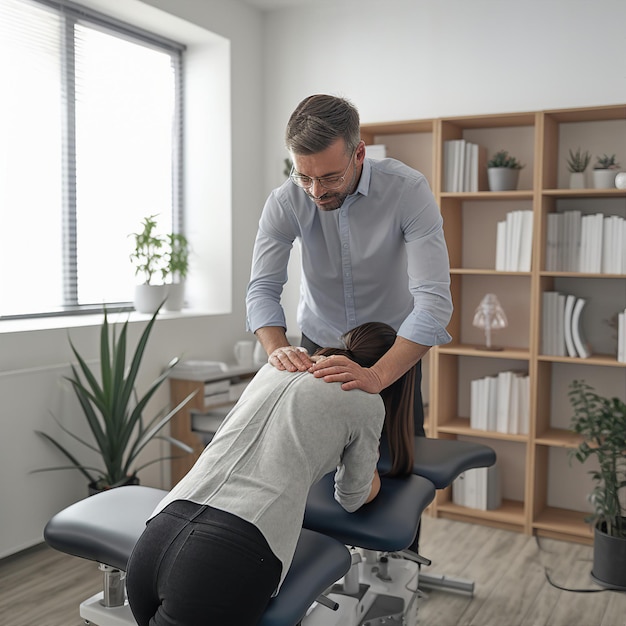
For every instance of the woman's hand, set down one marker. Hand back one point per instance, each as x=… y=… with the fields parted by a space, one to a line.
x=338 y=368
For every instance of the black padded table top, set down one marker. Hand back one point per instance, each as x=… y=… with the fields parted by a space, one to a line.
x=442 y=460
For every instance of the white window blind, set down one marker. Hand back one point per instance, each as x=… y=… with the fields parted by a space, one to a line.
x=90 y=144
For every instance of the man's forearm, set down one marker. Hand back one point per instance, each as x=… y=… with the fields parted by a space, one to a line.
x=272 y=337
x=400 y=358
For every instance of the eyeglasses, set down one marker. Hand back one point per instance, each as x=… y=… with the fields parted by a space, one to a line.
x=326 y=182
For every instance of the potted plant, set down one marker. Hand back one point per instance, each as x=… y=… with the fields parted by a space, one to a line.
x=601 y=422
x=577 y=164
x=604 y=172
x=149 y=260
x=503 y=171
x=114 y=411
x=176 y=269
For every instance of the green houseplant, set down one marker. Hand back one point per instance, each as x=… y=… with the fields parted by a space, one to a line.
x=176 y=270
x=604 y=171
x=113 y=410
x=601 y=422
x=577 y=164
x=503 y=171
x=162 y=261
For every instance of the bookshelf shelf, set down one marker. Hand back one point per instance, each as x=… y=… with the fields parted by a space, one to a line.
x=536 y=476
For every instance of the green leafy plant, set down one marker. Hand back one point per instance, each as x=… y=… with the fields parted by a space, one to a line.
x=578 y=161
x=148 y=256
x=113 y=410
x=503 y=159
x=602 y=424
x=606 y=162
x=176 y=257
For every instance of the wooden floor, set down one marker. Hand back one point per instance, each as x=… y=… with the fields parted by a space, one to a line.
x=41 y=587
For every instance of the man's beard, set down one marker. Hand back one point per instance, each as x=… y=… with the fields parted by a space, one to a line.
x=330 y=201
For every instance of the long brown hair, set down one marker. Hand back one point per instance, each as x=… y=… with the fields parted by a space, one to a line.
x=365 y=344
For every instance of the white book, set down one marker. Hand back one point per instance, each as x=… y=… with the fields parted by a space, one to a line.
x=458 y=490
x=504 y=394
x=514 y=237
x=376 y=151
x=560 y=326
x=526 y=242
x=552 y=230
x=488 y=490
x=618 y=243
x=567 y=325
x=447 y=165
x=467 y=168
x=597 y=233
x=490 y=422
x=514 y=405
x=524 y=413
x=460 y=164
x=585 y=244
x=582 y=347
x=475 y=403
x=607 y=247
x=471 y=489
x=474 y=172
x=572 y=260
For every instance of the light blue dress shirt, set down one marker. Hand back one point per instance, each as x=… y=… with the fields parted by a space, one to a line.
x=380 y=257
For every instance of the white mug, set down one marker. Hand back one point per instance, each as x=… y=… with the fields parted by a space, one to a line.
x=243 y=353
x=260 y=356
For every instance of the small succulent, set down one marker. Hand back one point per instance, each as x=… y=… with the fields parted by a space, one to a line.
x=578 y=160
x=606 y=162
x=502 y=159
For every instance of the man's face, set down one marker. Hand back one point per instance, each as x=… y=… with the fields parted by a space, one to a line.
x=328 y=177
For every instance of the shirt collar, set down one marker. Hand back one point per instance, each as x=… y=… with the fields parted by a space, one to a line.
x=364 y=182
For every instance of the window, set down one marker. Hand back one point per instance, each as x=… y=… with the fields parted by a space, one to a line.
x=90 y=144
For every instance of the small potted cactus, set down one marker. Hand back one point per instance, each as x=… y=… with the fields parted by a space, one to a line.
x=577 y=164
x=503 y=171
x=604 y=172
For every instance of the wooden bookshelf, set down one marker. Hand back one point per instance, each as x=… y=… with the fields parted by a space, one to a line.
x=540 y=494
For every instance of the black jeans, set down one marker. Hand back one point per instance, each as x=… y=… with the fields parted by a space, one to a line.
x=197 y=565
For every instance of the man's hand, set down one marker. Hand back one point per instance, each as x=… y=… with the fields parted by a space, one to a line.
x=341 y=369
x=290 y=358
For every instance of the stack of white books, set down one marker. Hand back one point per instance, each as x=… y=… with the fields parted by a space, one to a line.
x=592 y=244
x=478 y=488
x=561 y=325
x=514 y=239
x=463 y=166
x=376 y=151
x=501 y=403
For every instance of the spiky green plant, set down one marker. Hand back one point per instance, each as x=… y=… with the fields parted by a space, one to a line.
x=578 y=161
x=602 y=424
x=502 y=159
x=606 y=162
x=113 y=410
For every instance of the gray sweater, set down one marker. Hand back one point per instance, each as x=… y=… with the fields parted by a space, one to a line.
x=284 y=434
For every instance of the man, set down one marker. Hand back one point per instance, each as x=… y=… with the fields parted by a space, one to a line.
x=373 y=249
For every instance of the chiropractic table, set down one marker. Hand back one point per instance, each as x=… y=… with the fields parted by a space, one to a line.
x=349 y=569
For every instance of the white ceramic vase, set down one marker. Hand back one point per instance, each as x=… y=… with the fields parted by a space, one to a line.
x=604 y=179
x=175 y=296
x=577 y=180
x=148 y=297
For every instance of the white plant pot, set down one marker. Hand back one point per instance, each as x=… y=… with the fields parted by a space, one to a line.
x=604 y=179
x=148 y=297
x=175 y=297
x=577 y=180
x=502 y=178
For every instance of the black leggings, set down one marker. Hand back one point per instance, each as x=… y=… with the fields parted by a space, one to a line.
x=197 y=565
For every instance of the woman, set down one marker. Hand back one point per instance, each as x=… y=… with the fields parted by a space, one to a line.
x=219 y=545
